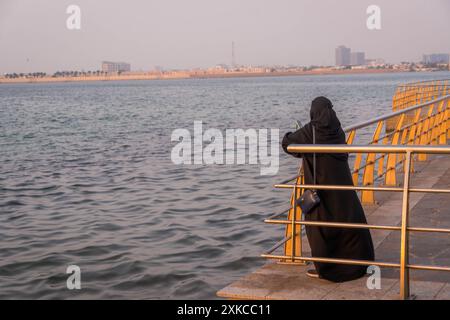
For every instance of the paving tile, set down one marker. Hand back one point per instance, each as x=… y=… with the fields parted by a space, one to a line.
x=444 y=294
x=420 y=290
x=282 y=281
x=358 y=290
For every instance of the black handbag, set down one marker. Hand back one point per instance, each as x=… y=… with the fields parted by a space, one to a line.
x=310 y=199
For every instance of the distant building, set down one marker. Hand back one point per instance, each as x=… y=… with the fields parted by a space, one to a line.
x=111 y=67
x=436 y=58
x=375 y=62
x=342 y=56
x=357 y=58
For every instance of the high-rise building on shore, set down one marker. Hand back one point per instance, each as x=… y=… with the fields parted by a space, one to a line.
x=110 y=67
x=436 y=58
x=357 y=58
x=342 y=56
x=345 y=57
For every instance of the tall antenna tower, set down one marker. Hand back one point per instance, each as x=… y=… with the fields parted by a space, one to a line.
x=233 y=56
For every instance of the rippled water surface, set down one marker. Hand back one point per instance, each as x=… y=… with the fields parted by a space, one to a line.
x=86 y=179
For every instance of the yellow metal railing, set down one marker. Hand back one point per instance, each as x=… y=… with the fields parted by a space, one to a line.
x=412 y=94
x=428 y=125
x=420 y=117
x=295 y=221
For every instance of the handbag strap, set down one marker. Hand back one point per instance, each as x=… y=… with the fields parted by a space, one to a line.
x=314 y=155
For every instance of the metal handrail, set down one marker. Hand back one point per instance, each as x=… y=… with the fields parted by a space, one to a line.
x=343 y=148
x=414 y=93
x=404 y=228
x=420 y=83
x=393 y=114
x=429 y=128
x=420 y=118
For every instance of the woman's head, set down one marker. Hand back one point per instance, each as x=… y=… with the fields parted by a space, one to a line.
x=322 y=114
x=327 y=127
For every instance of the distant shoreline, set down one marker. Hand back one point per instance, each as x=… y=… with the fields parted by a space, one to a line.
x=195 y=75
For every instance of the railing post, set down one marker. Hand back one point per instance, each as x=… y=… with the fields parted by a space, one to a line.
x=381 y=161
x=404 y=246
x=403 y=140
x=412 y=134
x=436 y=132
x=294 y=247
x=424 y=134
x=368 y=176
x=351 y=137
x=390 y=179
x=447 y=123
x=358 y=158
x=293 y=225
x=443 y=131
x=298 y=228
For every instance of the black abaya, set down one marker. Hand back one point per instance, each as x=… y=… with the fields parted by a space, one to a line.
x=335 y=205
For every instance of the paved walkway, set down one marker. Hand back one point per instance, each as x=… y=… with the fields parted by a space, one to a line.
x=282 y=281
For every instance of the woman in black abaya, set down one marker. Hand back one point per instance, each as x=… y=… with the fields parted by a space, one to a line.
x=335 y=205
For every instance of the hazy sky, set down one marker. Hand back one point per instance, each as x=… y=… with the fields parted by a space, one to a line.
x=198 y=33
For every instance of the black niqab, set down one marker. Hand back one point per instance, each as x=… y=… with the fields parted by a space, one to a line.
x=335 y=205
x=324 y=119
x=327 y=127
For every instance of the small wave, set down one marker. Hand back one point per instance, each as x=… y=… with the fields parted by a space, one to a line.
x=154 y=281
x=107 y=227
x=12 y=203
